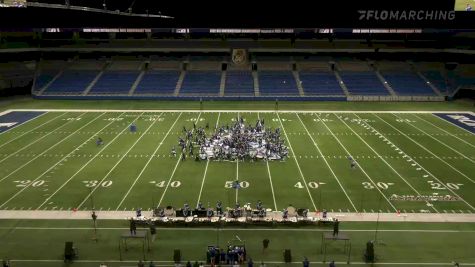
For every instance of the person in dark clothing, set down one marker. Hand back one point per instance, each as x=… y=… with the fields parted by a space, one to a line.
x=153 y=231
x=305 y=262
x=188 y=264
x=250 y=263
x=336 y=225
x=133 y=227
x=141 y=264
x=332 y=264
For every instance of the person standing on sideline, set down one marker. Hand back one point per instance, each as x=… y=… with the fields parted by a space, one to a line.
x=336 y=225
x=250 y=263
x=153 y=231
x=305 y=262
x=133 y=227
x=332 y=264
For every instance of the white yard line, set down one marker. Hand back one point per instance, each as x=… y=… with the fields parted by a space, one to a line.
x=39 y=139
x=148 y=162
x=6 y=112
x=206 y=168
x=52 y=167
x=4 y=144
x=48 y=149
x=171 y=263
x=422 y=167
x=247 y=110
x=237 y=169
x=468 y=143
x=423 y=147
x=87 y=163
x=389 y=165
x=173 y=172
x=116 y=164
x=270 y=176
x=357 y=163
x=326 y=162
x=419 y=129
x=294 y=156
x=201 y=229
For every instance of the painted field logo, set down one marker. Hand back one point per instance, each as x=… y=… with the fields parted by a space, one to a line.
x=7 y=124
x=464 y=120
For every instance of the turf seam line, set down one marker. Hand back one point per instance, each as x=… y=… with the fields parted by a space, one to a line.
x=50 y=168
x=328 y=165
x=440 y=128
x=206 y=167
x=23 y=123
x=82 y=167
x=297 y=163
x=148 y=162
x=30 y=131
x=419 y=129
x=426 y=149
x=270 y=176
x=418 y=163
x=389 y=165
x=39 y=139
x=357 y=163
x=118 y=162
x=249 y=110
x=173 y=173
x=39 y=155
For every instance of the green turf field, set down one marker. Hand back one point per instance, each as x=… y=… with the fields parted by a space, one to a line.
x=53 y=163
x=41 y=243
x=461 y=5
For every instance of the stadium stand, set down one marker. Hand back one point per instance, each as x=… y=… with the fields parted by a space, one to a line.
x=317 y=79
x=239 y=82
x=118 y=78
x=75 y=78
x=403 y=80
x=360 y=79
x=203 y=77
x=201 y=83
x=275 y=77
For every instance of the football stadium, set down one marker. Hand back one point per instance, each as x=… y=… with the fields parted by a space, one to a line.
x=135 y=133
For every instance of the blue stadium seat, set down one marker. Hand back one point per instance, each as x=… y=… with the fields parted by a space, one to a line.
x=44 y=78
x=363 y=83
x=239 y=83
x=161 y=82
x=320 y=83
x=436 y=78
x=407 y=83
x=115 y=82
x=277 y=83
x=201 y=83
x=71 y=82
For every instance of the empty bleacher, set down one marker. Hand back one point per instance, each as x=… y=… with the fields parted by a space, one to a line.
x=201 y=82
x=360 y=79
x=275 y=77
x=239 y=82
x=47 y=70
x=160 y=82
x=118 y=78
x=277 y=83
x=317 y=79
x=403 y=80
x=75 y=78
x=203 y=77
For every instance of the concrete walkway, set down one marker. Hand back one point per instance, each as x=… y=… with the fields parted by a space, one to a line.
x=342 y=216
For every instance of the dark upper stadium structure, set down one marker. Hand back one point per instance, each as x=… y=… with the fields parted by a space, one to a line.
x=409 y=50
